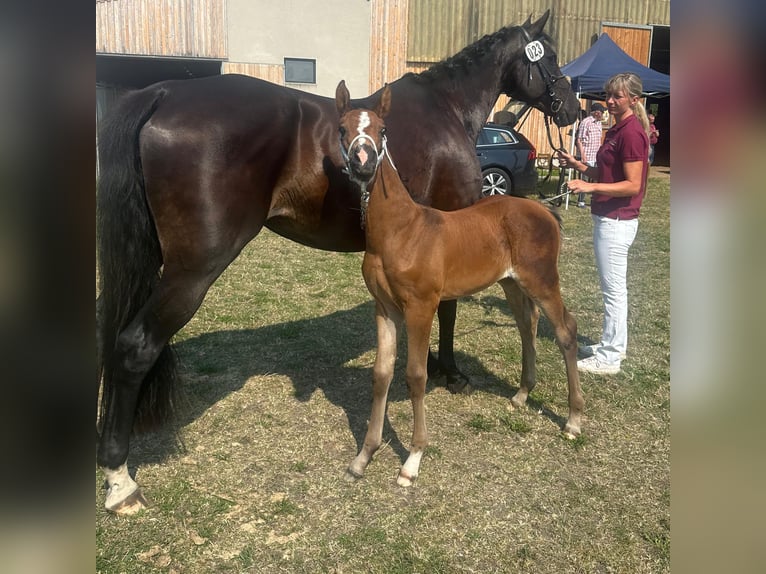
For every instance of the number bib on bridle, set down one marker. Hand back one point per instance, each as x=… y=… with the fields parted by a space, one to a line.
x=534 y=51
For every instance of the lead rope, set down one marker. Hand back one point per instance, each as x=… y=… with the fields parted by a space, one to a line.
x=562 y=183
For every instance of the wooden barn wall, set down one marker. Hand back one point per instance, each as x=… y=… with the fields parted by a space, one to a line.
x=439 y=28
x=388 y=41
x=190 y=28
x=636 y=42
x=410 y=35
x=270 y=72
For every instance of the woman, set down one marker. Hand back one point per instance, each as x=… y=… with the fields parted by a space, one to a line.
x=617 y=185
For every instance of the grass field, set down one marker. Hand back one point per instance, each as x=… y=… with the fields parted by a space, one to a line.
x=277 y=369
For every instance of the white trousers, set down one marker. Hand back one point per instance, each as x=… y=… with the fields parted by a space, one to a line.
x=612 y=239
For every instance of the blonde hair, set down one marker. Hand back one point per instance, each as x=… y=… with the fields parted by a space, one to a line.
x=630 y=84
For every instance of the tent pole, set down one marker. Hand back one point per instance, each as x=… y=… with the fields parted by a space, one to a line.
x=575 y=127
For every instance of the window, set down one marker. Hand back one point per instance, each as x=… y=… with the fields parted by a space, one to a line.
x=490 y=136
x=300 y=71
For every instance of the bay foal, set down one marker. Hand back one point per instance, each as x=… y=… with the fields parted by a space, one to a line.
x=417 y=256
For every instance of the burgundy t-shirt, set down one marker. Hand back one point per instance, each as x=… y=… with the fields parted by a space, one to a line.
x=626 y=141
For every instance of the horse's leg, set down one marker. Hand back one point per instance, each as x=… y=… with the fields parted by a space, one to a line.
x=419 y=321
x=565 y=331
x=527 y=315
x=382 y=373
x=174 y=301
x=99 y=350
x=445 y=364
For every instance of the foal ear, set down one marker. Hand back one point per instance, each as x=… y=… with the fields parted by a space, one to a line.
x=536 y=27
x=384 y=105
x=342 y=98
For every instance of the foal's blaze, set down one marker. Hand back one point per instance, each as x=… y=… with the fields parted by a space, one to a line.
x=417 y=256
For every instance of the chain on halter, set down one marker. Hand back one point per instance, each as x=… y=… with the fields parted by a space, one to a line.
x=365 y=195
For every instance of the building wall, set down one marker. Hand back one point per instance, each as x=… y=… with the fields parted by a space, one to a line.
x=179 y=28
x=440 y=28
x=388 y=42
x=335 y=33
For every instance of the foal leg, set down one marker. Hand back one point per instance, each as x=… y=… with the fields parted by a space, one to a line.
x=565 y=331
x=382 y=373
x=527 y=315
x=419 y=323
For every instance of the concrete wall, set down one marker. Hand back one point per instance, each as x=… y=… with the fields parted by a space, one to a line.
x=335 y=33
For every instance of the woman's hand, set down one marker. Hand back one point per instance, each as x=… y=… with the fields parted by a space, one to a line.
x=580 y=186
x=567 y=160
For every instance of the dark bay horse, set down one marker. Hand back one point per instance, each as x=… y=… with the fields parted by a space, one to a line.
x=417 y=256
x=191 y=171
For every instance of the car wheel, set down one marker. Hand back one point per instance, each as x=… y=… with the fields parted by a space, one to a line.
x=495 y=181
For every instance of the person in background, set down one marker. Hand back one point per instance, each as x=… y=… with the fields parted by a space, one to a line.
x=617 y=186
x=654 y=135
x=589 y=140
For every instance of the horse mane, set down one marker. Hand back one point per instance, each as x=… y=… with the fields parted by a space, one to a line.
x=469 y=57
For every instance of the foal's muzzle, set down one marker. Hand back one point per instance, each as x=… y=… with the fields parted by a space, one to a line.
x=362 y=157
x=362 y=160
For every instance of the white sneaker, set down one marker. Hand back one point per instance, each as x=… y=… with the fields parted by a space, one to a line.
x=595 y=366
x=590 y=350
x=580 y=204
x=587 y=350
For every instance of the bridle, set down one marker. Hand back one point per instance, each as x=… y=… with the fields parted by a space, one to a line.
x=534 y=51
x=379 y=155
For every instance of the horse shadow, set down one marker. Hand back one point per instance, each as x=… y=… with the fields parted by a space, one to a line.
x=316 y=354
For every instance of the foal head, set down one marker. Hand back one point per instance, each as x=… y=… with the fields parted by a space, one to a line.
x=362 y=135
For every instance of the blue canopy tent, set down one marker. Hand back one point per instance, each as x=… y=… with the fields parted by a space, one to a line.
x=605 y=59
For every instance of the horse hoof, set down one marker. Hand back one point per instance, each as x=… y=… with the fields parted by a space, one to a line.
x=351 y=475
x=460 y=389
x=517 y=402
x=404 y=480
x=571 y=432
x=132 y=504
x=458 y=384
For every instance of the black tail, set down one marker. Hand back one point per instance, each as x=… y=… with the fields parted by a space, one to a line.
x=557 y=215
x=129 y=257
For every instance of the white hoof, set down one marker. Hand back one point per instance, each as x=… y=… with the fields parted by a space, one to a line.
x=409 y=471
x=405 y=481
x=571 y=432
x=133 y=504
x=124 y=496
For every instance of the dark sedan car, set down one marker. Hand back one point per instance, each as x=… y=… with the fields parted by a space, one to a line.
x=507 y=161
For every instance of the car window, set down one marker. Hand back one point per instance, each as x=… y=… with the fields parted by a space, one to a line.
x=493 y=137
